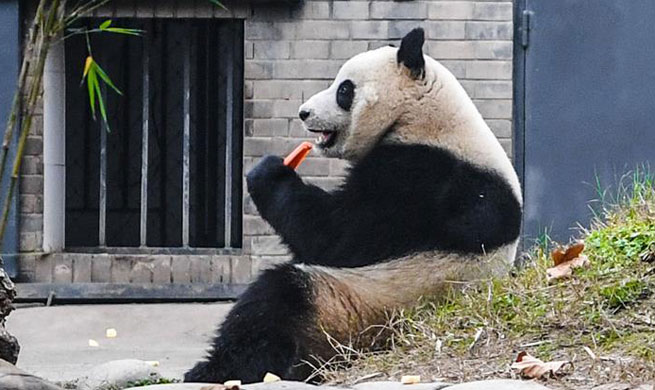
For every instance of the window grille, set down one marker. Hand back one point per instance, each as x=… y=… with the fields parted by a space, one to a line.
x=167 y=173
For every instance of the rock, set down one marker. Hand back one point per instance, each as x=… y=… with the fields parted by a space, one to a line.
x=498 y=384
x=117 y=373
x=388 y=385
x=12 y=378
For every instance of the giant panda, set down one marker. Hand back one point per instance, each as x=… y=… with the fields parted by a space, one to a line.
x=430 y=201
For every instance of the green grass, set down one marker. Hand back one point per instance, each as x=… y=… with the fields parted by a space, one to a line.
x=608 y=307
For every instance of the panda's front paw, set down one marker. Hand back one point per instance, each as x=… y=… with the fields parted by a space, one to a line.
x=269 y=171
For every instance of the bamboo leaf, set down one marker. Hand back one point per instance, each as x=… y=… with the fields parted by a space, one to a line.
x=218 y=4
x=91 y=81
x=125 y=31
x=87 y=66
x=101 y=105
x=105 y=24
x=106 y=79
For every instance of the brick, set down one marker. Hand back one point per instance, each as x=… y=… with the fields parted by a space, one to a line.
x=493 y=11
x=37 y=125
x=100 y=268
x=268 y=245
x=32 y=165
x=258 y=69
x=27 y=265
x=81 y=268
x=33 y=146
x=297 y=130
x=399 y=28
x=31 y=184
x=494 y=109
x=28 y=242
x=347 y=49
x=457 y=68
x=31 y=223
x=507 y=146
x=165 y=8
x=203 y=9
x=262 y=263
x=220 y=269
x=185 y=9
x=271 y=49
x=63 y=270
x=141 y=271
x=256 y=226
x=125 y=9
x=44 y=268
x=323 y=29
x=312 y=10
x=161 y=269
x=471 y=49
x=181 y=269
x=306 y=69
x=398 y=10
x=249 y=50
x=501 y=128
x=145 y=10
x=372 y=45
x=201 y=269
x=489 y=70
x=350 y=10
x=272 y=108
x=274 y=11
x=369 y=29
x=277 y=89
x=445 y=30
x=489 y=30
x=121 y=268
x=248 y=89
x=256 y=146
x=457 y=10
x=256 y=30
x=488 y=89
x=270 y=127
x=240 y=269
x=31 y=204
x=310 y=49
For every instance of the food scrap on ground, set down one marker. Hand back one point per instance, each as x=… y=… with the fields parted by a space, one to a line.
x=531 y=367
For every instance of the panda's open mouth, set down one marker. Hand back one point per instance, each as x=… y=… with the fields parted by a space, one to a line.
x=326 y=138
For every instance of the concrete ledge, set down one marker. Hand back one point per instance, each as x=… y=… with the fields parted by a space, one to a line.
x=127 y=292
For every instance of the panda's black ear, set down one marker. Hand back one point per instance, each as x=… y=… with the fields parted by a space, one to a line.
x=411 y=53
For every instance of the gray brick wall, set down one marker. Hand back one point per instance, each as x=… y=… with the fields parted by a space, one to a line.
x=291 y=53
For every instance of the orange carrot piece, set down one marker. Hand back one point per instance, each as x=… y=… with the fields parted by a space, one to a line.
x=295 y=158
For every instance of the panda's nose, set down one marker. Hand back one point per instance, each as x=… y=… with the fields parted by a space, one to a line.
x=303 y=114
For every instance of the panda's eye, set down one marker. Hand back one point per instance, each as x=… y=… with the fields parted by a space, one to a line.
x=345 y=94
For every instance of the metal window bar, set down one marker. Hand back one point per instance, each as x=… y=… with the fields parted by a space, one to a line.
x=144 y=145
x=186 y=183
x=102 y=223
x=229 y=118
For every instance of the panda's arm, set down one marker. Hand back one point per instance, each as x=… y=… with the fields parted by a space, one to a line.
x=299 y=212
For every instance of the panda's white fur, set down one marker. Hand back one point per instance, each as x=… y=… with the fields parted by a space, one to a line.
x=374 y=245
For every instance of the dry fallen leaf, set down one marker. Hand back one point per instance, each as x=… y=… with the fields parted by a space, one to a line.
x=213 y=387
x=566 y=260
x=410 y=379
x=531 y=367
x=111 y=333
x=93 y=343
x=269 y=377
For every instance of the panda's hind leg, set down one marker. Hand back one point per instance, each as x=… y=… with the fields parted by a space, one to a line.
x=266 y=331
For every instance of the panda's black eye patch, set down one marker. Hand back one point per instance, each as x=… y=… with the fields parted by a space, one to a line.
x=345 y=94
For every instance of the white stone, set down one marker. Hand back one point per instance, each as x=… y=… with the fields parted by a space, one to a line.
x=117 y=373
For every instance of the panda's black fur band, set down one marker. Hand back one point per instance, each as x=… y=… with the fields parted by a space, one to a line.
x=397 y=200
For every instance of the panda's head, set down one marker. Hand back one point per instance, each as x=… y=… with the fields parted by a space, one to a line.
x=366 y=99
